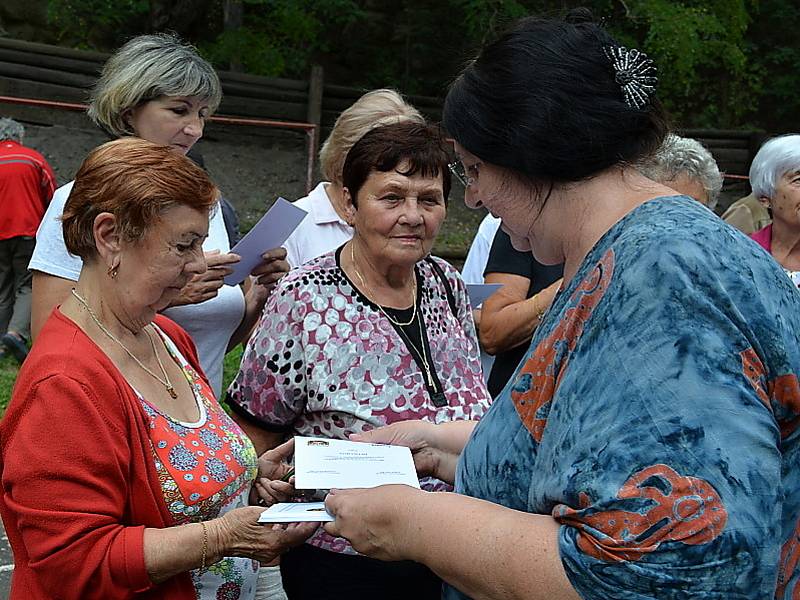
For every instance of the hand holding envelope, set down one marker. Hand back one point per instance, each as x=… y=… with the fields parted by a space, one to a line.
x=270 y=232
x=327 y=463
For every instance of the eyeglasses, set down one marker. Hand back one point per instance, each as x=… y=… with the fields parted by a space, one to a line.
x=457 y=169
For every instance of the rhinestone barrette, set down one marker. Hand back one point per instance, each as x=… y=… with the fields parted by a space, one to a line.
x=635 y=74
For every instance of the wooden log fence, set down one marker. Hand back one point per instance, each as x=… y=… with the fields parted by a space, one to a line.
x=41 y=71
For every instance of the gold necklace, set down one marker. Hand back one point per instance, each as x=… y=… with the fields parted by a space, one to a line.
x=372 y=293
x=165 y=382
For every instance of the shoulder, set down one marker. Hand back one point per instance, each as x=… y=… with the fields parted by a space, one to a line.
x=308 y=276
x=449 y=270
x=318 y=194
x=678 y=249
x=452 y=278
x=64 y=353
x=60 y=197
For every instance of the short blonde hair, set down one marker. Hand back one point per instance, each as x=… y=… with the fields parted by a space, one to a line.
x=145 y=68
x=137 y=181
x=373 y=109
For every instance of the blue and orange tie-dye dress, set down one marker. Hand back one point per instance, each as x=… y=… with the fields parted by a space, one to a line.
x=656 y=416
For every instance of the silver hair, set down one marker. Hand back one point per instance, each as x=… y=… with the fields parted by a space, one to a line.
x=685 y=156
x=11 y=130
x=145 y=68
x=773 y=160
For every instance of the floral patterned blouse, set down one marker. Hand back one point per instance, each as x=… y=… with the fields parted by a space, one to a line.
x=325 y=362
x=206 y=469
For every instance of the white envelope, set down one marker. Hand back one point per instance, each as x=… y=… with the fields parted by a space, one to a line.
x=272 y=230
x=323 y=464
x=295 y=512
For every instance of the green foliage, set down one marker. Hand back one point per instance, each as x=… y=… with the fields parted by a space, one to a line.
x=279 y=37
x=699 y=47
x=89 y=23
x=722 y=63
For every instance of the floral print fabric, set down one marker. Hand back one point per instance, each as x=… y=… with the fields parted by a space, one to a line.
x=205 y=469
x=324 y=362
x=656 y=416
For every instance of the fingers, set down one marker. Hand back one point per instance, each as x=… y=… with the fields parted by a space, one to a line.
x=216 y=259
x=389 y=434
x=282 y=452
x=274 y=491
x=272 y=268
x=297 y=533
x=275 y=253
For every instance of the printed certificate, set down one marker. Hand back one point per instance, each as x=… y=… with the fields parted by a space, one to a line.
x=322 y=464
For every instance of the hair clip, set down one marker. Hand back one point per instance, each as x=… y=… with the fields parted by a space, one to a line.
x=635 y=74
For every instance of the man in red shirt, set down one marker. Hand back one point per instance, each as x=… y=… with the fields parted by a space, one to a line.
x=26 y=185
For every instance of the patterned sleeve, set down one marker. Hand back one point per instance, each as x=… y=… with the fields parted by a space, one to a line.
x=674 y=464
x=270 y=387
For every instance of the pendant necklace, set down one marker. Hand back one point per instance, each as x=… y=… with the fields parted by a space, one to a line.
x=165 y=382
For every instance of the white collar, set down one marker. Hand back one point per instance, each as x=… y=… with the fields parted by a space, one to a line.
x=322 y=210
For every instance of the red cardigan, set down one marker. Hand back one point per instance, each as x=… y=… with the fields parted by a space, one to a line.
x=78 y=481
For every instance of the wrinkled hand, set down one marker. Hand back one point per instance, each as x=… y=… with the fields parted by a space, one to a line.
x=378 y=522
x=205 y=286
x=268 y=489
x=272 y=267
x=239 y=534
x=416 y=435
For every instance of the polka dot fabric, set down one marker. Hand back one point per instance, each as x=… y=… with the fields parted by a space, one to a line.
x=324 y=362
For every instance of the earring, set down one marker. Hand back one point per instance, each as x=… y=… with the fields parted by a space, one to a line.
x=112 y=271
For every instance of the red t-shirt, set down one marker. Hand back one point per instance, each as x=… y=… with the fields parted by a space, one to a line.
x=26 y=185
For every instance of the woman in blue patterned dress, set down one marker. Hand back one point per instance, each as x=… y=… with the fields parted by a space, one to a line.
x=647 y=445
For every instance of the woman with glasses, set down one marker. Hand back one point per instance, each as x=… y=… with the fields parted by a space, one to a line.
x=647 y=446
x=372 y=333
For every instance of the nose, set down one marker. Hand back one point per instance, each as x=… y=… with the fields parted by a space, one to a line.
x=194 y=127
x=197 y=264
x=412 y=215
x=471 y=198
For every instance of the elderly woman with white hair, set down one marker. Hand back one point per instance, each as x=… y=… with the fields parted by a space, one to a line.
x=326 y=227
x=687 y=167
x=775 y=179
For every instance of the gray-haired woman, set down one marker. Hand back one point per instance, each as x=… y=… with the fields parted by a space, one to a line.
x=775 y=179
x=158 y=88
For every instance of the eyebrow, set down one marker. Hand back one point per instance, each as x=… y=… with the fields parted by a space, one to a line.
x=393 y=186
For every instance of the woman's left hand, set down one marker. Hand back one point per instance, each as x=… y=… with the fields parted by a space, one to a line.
x=378 y=522
x=272 y=267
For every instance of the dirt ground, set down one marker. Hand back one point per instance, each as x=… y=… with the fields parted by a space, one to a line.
x=251 y=167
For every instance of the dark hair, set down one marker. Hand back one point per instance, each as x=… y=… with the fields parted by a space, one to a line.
x=542 y=100
x=385 y=147
x=137 y=181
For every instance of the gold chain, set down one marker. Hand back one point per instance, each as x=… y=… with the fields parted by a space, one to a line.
x=372 y=293
x=421 y=352
x=165 y=382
